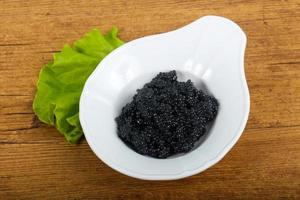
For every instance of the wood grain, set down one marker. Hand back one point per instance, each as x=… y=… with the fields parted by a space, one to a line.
x=36 y=162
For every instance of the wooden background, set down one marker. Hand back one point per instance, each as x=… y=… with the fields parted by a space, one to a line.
x=37 y=163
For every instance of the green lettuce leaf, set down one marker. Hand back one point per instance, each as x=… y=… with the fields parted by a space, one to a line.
x=61 y=81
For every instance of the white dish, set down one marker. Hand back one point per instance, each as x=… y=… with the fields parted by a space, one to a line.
x=210 y=50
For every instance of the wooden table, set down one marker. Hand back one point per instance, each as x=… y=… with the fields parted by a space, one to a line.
x=37 y=163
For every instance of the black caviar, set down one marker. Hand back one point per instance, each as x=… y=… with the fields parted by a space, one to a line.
x=166 y=117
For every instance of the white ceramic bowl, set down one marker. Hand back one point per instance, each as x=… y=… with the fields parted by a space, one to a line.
x=210 y=50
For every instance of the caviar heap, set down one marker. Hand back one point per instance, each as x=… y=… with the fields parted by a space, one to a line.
x=166 y=117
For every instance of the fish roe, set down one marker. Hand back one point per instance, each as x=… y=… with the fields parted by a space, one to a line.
x=166 y=117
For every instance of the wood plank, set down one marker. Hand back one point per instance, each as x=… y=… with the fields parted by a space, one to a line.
x=273 y=77
x=264 y=162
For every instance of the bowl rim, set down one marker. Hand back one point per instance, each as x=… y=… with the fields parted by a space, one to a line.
x=185 y=173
